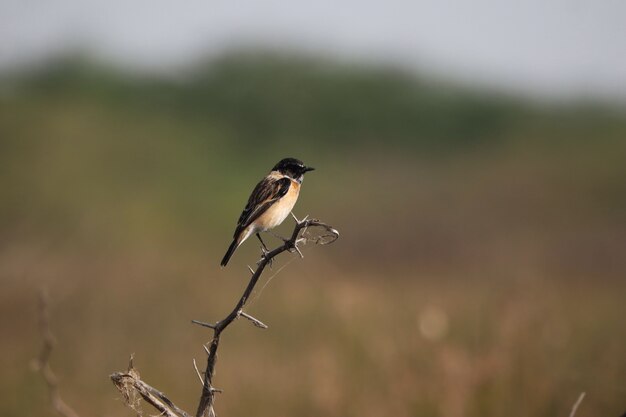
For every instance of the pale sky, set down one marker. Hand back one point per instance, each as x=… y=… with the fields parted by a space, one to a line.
x=550 y=47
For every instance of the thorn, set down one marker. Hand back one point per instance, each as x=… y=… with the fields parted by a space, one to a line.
x=251 y=270
x=198 y=372
x=206 y=349
x=264 y=257
x=294 y=217
x=203 y=324
x=258 y=323
x=303 y=231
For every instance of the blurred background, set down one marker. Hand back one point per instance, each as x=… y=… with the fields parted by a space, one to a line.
x=472 y=155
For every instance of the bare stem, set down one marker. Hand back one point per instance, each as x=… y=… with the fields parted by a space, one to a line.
x=205 y=407
x=42 y=363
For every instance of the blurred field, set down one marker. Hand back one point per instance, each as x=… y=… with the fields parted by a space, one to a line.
x=480 y=271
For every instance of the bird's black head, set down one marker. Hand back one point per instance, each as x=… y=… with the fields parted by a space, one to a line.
x=292 y=167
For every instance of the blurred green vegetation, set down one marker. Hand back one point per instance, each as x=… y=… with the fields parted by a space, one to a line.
x=504 y=216
x=78 y=137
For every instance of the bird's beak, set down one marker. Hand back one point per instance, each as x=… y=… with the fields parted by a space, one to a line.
x=307 y=169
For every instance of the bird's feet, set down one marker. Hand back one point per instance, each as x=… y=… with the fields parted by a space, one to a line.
x=264 y=256
x=264 y=252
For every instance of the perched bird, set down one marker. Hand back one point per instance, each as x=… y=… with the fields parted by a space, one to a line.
x=270 y=203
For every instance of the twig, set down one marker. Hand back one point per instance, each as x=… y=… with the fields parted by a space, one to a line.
x=576 y=404
x=205 y=407
x=42 y=363
x=129 y=383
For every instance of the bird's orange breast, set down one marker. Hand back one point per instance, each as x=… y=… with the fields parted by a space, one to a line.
x=278 y=211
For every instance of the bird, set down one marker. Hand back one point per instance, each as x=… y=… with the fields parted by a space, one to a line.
x=270 y=203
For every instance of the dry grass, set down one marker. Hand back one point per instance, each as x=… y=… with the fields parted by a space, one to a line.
x=339 y=344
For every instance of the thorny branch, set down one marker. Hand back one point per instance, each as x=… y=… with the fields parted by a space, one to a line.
x=42 y=363
x=205 y=407
x=130 y=384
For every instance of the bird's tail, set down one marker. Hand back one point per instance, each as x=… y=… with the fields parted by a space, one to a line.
x=230 y=251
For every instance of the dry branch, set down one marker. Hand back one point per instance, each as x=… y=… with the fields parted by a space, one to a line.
x=130 y=384
x=42 y=363
x=205 y=407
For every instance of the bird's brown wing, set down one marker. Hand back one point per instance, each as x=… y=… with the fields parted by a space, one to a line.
x=266 y=193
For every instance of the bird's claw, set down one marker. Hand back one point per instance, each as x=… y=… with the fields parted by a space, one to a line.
x=264 y=256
